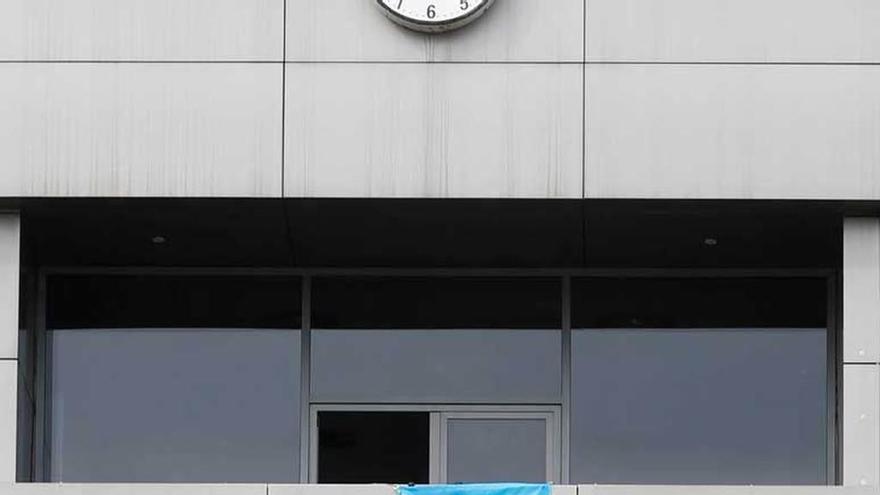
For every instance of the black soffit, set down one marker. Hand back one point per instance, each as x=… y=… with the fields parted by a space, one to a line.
x=428 y=233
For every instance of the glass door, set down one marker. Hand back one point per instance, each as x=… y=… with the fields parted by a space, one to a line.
x=498 y=446
x=399 y=443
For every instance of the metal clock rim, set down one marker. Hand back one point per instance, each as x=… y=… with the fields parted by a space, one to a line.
x=434 y=27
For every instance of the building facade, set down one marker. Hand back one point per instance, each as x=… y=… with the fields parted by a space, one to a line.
x=282 y=246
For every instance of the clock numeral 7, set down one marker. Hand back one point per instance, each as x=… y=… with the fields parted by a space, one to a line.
x=399 y=4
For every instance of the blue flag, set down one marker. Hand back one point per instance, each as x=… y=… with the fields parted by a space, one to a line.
x=477 y=489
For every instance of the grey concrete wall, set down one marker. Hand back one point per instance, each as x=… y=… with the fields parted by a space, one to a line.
x=10 y=242
x=159 y=129
x=108 y=489
x=562 y=99
x=861 y=352
x=733 y=131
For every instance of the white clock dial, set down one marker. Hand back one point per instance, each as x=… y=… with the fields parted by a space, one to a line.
x=434 y=15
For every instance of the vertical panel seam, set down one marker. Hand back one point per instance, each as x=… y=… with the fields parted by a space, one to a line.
x=584 y=102
x=283 y=91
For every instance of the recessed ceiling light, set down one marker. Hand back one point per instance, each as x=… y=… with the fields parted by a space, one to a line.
x=710 y=241
x=159 y=239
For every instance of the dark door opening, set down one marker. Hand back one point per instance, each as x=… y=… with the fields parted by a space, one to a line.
x=373 y=447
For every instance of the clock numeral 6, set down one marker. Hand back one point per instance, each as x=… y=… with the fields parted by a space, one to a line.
x=464 y=5
x=432 y=13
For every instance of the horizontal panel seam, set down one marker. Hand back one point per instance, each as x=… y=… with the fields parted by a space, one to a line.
x=446 y=62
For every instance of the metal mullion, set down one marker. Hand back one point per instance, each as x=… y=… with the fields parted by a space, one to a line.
x=30 y=358
x=437 y=457
x=565 y=419
x=42 y=388
x=834 y=395
x=305 y=380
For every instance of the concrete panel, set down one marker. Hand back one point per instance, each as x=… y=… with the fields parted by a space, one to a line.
x=741 y=31
x=131 y=489
x=733 y=131
x=8 y=418
x=861 y=290
x=10 y=248
x=433 y=130
x=356 y=30
x=182 y=489
x=331 y=490
x=861 y=440
x=721 y=490
x=368 y=490
x=811 y=490
x=662 y=490
x=140 y=129
x=141 y=30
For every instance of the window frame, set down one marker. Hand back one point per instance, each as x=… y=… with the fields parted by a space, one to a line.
x=41 y=449
x=440 y=414
x=550 y=416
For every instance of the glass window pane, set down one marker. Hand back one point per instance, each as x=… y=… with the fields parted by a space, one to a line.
x=427 y=303
x=513 y=366
x=699 y=303
x=373 y=447
x=406 y=339
x=148 y=405
x=174 y=378
x=699 y=406
x=496 y=450
x=148 y=301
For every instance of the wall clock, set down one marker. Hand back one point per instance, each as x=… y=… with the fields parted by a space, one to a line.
x=434 y=16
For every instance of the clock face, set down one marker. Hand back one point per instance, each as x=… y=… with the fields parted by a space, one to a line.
x=434 y=15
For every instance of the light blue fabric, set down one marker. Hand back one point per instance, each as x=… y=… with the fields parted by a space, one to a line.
x=477 y=489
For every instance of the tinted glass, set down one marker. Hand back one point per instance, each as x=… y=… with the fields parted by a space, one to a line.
x=700 y=381
x=373 y=447
x=408 y=339
x=150 y=405
x=497 y=450
x=174 y=379
x=739 y=406
x=699 y=303
x=513 y=366
x=426 y=303
x=145 y=301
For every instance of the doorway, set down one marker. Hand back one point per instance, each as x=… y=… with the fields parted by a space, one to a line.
x=401 y=444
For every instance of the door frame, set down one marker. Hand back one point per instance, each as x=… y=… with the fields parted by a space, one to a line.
x=553 y=435
x=439 y=415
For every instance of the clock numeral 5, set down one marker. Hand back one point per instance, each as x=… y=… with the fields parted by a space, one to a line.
x=464 y=4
